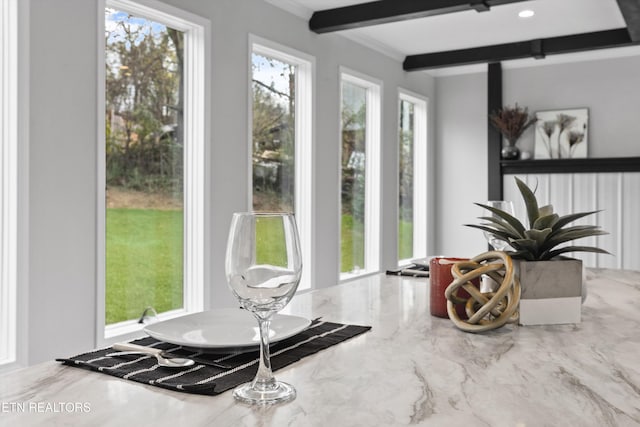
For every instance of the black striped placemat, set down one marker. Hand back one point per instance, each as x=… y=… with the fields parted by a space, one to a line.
x=203 y=378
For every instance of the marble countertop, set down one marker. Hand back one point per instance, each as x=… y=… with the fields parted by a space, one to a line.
x=411 y=368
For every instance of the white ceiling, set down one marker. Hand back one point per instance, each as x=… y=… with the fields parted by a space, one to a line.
x=472 y=29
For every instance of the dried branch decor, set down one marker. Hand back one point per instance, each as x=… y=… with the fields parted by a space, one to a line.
x=512 y=122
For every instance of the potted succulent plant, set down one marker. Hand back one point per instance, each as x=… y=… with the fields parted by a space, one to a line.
x=511 y=122
x=551 y=284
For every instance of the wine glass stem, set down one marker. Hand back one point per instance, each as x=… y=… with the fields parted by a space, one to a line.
x=264 y=379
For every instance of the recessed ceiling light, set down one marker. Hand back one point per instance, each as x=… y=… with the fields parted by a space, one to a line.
x=527 y=13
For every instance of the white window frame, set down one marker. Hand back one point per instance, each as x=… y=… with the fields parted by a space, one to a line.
x=372 y=170
x=304 y=144
x=196 y=187
x=14 y=182
x=420 y=172
x=8 y=180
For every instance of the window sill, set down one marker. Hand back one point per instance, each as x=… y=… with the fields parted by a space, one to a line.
x=9 y=365
x=130 y=329
x=346 y=277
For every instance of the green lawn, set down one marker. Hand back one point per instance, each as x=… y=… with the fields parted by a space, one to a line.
x=352 y=244
x=144 y=258
x=405 y=239
x=144 y=262
x=274 y=252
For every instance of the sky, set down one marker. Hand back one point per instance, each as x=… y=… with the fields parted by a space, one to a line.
x=272 y=73
x=113 y=17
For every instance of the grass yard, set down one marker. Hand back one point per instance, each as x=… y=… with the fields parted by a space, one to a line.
x=144 y=262
x=271 y=230
x=352 y=244
x=144 y=258
x=405 y=239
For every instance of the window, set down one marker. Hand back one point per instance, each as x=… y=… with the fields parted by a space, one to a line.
x=360 y=175
x=153 y=164
x=281 y=138
x=8 y=178
x=412 y=179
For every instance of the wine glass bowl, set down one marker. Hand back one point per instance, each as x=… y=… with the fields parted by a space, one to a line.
x=264 y=288
x=506 y=206
x=263 y=266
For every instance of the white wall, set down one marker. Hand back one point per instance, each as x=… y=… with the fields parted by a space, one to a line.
x=610 y=88
x=461 y=163
x=63 y=127
x=62 y=181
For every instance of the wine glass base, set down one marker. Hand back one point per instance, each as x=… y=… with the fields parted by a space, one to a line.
x=280 y=392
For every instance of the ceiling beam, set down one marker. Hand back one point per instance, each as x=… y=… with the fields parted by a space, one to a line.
x=631 y=12
x=537 y=48
x=386 y=11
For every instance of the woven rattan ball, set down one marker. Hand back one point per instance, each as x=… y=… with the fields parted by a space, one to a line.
x=489 y=310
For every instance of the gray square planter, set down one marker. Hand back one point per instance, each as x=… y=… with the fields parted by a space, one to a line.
x=551 y=291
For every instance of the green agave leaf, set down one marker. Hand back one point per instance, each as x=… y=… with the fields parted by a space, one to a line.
x=545 y=210
x=526 y=245
x=566 y=219
x=526 y=255
x=563 y=231
x=539 y=236
x=510 y=219
x=568 y=235
x=499 y=234
x=530 y=202
x=546 y=221
x=501 y=225
x=577 y=227
x=553 y=254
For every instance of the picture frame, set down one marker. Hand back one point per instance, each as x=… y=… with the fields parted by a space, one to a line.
x=561 y=134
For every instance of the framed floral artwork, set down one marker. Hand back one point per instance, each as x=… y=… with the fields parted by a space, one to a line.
x=561 y=134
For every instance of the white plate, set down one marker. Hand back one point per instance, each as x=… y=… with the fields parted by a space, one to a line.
x=228 y=328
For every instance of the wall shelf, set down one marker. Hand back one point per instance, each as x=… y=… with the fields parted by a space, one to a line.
x=588 y=165
x=497 y=167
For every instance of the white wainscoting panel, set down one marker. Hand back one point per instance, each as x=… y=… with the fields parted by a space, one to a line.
x=617 y=195
x=609 y=189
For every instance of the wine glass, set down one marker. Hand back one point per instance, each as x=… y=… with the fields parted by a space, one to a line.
x=263 y=267
x=487 y=284
x=497 y=244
